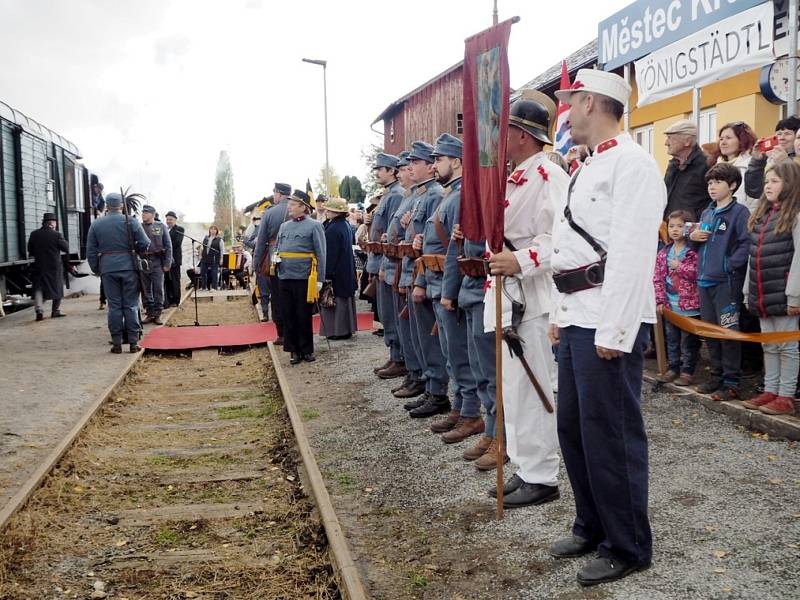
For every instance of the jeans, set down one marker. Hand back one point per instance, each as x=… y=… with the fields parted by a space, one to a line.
x=122 y=292
x=683 y=348
x=720 y=305
x=780 y=360
x=209 y=272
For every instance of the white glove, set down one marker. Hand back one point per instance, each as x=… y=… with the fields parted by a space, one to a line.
x=319 y=286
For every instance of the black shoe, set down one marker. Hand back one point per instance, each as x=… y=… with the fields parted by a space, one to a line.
x=157 y=321
x=413 y=389
x=710 y=385
x=572 y=546
x=116 y=349
x=278 y=341
x=264 y=319
x=434 y=405
x=57 y=314
x=378 y=332
x=295 y=359
x=531 y=494
x=135 y=348
x=39 y=316
x=309 y=357
x=412 y=404
x=338 y=338
x=509 y=486
x=603 y=570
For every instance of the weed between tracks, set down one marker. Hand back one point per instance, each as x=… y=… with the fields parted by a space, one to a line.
x=183 y=487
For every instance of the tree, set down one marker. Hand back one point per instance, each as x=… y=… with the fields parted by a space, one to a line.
x=329 y=182
x=224 y=197
x=344 y=188
x=368 y=155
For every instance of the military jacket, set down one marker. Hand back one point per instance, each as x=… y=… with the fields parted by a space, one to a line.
x=448 y=214
x=302 y=234
x=428 y=194
x=380 y=222
x=271 y=222
x=397 y=233
x=107 y=248
x=471 y=290
x=160 y=242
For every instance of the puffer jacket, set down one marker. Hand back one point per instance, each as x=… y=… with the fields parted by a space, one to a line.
x=684 y=280
x=770 y=261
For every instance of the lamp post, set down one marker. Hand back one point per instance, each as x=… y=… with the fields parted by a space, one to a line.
x=324 y=65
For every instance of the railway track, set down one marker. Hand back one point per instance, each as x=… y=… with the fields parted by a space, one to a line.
x=187 y=483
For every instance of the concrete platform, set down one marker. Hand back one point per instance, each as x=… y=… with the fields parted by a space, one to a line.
x=50 y=372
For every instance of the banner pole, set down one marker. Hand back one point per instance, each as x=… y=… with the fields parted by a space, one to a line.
x=499 y=413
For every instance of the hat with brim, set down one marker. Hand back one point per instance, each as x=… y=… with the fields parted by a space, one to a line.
x=48 y=216
x=114 y=200
x=594 y=81
x=684 y=126
x=171 y=213
x=338 y=205
x=402 y=158
x=148 y=209
x=282 y=188
x=447 y=145
x=301 y=196
x=421 y=151
x=385 y=160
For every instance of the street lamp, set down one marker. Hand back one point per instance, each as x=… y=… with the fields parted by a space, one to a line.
x=324 y=65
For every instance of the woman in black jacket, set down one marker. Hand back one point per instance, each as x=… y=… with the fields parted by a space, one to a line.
x=339 y=322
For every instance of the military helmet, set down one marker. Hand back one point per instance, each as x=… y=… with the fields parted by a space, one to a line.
x=533 y=112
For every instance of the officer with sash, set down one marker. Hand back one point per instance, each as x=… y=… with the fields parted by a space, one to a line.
x=112 y=245
x=535 y=193
x=427 y=195
x=271 y=221
x=159 y=259
x=385 y=171
x=300 y=264
x=604 y=250
x=442 y=281
x=414 y=383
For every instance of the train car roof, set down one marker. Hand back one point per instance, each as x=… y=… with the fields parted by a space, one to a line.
x=35 y=128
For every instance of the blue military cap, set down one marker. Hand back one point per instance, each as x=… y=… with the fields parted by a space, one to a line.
x=114 y=200
x=148 y=208
x=421 y=151
x=385 y=160
x=448 y=145
x=402 y=158
x=282 y=188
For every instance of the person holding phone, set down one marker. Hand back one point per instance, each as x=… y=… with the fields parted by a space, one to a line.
x=765 y=153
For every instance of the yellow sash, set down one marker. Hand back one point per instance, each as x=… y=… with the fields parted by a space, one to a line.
x=312 y=294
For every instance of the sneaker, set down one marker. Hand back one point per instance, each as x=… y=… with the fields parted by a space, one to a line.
x=758 y=401
x=726 y=394
x=667 y=377
x=711 y=385
x=781 y=405
x=478 y=450
x=683 y=380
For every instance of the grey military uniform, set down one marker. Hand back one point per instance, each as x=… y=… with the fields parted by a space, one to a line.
x=271 y=222
x=108 y=253
x=383 y=215
x=159 y=256
x=428 y=196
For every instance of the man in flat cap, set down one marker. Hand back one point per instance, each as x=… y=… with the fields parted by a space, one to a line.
x=112 y=246
x=685 y=177
x=385 y=171
x=173 y=281
x=159 y=258
x=271 y=221
x=300 y=253
x=604 y=250
x=534 y=196
x=442 y=281
x=45 y=245
x=427 y=197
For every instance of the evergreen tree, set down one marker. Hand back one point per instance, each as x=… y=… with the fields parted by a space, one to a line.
x=344 y=188
x=224 y=197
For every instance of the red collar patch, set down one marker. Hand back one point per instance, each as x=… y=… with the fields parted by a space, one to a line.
x=543 y=172
x=300 y=218
x=534 y=257
x=518 y=177
x=607 y=145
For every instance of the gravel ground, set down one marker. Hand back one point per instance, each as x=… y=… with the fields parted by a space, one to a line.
x=724 y=501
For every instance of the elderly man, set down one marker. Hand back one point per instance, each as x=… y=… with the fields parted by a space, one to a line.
x=604 y=250
x=45 y=245
x=685 y=176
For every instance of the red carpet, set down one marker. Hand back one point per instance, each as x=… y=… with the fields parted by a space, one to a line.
x=187 y=338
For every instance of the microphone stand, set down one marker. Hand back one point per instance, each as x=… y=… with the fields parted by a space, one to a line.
x=194 y=283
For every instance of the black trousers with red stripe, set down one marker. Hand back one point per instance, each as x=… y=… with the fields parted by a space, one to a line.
x=298 y=335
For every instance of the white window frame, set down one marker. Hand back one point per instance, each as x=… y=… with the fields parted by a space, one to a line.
x=644 y=137
x=707 y=126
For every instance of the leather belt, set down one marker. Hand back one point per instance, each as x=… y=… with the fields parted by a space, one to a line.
x=582 y=278
x=473 y=267
x=434 y=262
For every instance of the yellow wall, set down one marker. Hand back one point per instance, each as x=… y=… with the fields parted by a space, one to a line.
x=736 y=99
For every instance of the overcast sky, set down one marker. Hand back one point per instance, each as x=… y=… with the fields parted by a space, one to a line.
x=152 y=90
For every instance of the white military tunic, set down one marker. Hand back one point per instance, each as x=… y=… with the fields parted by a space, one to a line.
x=535 y=193
x=618 y=197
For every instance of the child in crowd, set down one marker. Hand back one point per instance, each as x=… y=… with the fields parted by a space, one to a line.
x=723 y=243
x=675 y=282
x=774 y=290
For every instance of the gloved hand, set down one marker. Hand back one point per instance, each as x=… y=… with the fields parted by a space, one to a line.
x=319 y=286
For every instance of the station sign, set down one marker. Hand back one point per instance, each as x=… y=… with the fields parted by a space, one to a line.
x=649 y=25
x=739 y=43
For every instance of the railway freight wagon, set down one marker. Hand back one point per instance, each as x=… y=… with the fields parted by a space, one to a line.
x=39 y=172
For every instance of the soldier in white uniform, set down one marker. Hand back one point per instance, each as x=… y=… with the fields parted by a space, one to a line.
x=534 y=195
x=604 y=250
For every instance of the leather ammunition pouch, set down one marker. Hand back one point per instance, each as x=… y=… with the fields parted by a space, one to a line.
x=473 y=267
x=375 y=248
x=407 y=250
x=434 y=262
x=582 y=278
x=391 y=250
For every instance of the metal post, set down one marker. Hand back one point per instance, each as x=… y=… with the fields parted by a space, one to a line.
x=696 y=107
x=494 y=14
x=791 y=108
x=325 y=100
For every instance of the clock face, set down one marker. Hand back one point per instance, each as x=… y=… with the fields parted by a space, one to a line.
x=775 y=86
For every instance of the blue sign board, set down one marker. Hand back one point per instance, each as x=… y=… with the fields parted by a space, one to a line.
x=647 y=25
